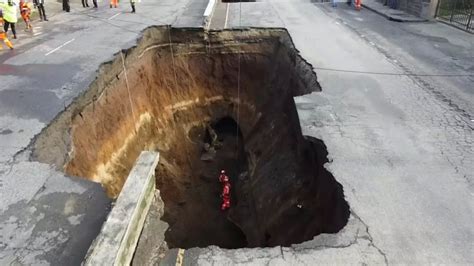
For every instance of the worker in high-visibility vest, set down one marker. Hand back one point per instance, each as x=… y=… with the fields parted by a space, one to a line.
x=113 y=3
x=10 y=16
x=3 y=35
x=25 y=12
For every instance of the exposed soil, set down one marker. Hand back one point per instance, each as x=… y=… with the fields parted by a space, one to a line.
x=183 y=100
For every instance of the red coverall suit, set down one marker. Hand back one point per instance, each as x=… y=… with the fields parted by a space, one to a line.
x=223 y=178
x=225 y=196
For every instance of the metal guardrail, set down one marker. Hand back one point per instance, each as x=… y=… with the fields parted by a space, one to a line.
x=457 y=13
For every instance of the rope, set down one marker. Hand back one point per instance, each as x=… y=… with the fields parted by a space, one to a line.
x=172 y=57
x=176 y=84
x=238 y=82
x=128 y=89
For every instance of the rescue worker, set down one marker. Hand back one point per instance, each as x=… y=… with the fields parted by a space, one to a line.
x=358 y=4
x=113 y=3
x=223 y=178
x=132 y=3
x=225 y=196
x=3 y=35
x=40 y=5
x=10 y=17
x=66 y=6
x=25 y=12
x=85 y=3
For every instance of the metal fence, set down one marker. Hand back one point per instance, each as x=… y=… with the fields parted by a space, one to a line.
x=456 y=12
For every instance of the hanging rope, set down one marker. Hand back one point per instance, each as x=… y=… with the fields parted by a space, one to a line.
x=176 y=84
x=172 y=57
x=238 y=80
x=129 y=94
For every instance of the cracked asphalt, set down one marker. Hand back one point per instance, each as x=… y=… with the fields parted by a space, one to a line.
x=401 y=145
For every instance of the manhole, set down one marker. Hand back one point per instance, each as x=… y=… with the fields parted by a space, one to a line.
x=183 y=100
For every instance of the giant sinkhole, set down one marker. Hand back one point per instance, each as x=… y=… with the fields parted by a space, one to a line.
x=206 y=101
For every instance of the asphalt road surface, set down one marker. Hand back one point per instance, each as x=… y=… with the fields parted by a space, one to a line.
x=401 y=145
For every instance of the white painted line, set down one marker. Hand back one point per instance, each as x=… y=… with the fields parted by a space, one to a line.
x=226 y=16
x=59 y=47
x=37 y=33
x=209 y=8
x=112 y=17
x=207 y=16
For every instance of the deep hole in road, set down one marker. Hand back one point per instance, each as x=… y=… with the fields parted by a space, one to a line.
x=181 y=97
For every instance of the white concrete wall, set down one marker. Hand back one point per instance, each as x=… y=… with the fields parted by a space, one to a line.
x=118 y=238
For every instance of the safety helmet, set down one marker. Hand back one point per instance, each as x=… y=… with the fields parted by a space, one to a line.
x=222 y=171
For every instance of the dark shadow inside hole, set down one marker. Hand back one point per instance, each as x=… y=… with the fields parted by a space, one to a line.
x=193 y=210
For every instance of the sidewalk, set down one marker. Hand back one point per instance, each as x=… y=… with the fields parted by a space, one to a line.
x=389 y=13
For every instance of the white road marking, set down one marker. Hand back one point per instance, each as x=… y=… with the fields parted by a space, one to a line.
x=112 y=17
x=59 y=47
x=37 y=33
x=226 y=16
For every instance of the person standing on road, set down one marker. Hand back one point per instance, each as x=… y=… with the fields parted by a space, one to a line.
x=3 y=35
x=85 y=3
x=95 y=3
x=40 y=5
x=132 y=3
x=66 y=6
x=113 y=3
x=10 y=16
x=25 y=12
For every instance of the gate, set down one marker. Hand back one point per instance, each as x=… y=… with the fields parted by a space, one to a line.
x=457 y=13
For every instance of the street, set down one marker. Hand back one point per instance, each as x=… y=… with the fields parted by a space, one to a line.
x=396 y=113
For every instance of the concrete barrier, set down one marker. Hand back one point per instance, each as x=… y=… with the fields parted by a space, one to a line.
x=116 y=243
x=208 y=13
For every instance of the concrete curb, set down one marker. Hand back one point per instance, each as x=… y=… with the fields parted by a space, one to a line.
x=207 y=16
x=117 y=240
x=392 y=18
